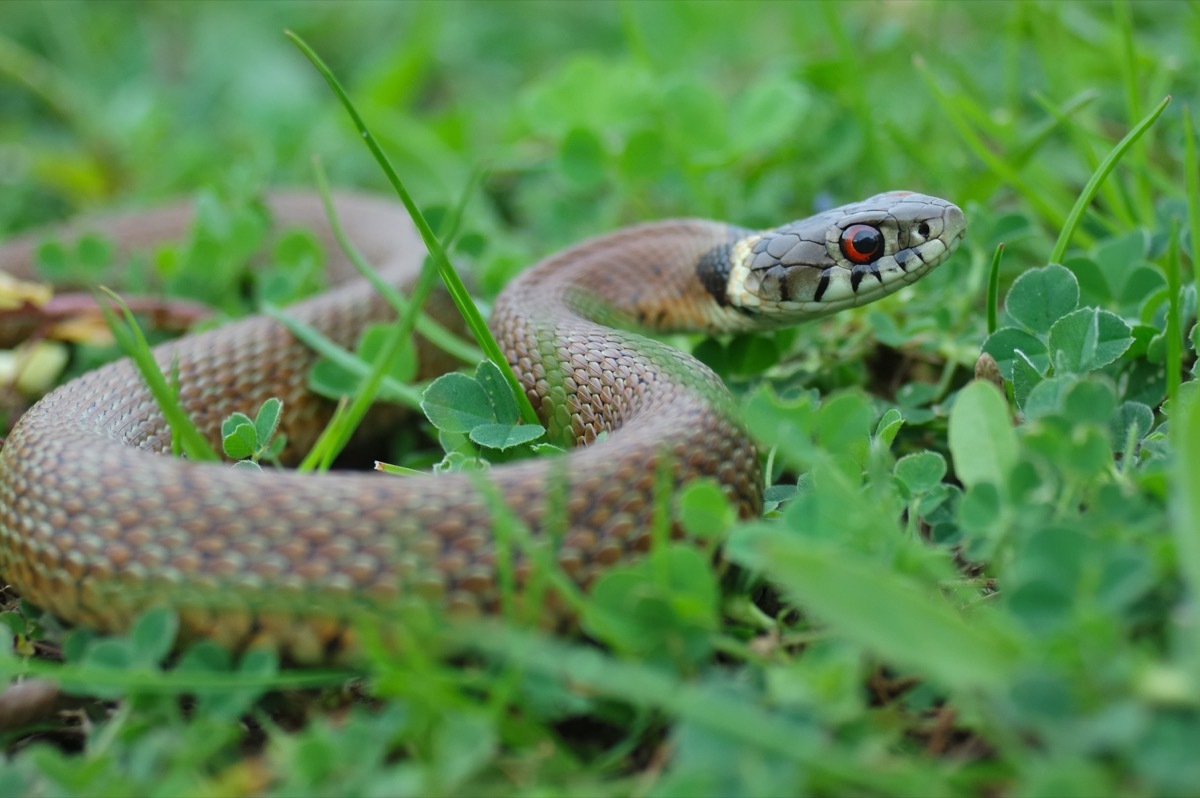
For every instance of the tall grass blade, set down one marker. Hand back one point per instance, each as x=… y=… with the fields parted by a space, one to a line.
x=1106 y=166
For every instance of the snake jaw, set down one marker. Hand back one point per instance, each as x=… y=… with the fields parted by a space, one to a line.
x=801 y=271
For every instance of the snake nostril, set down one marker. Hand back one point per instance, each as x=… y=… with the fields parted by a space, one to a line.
x=923 y=230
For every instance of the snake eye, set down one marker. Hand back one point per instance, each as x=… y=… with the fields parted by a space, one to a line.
x=862 y=243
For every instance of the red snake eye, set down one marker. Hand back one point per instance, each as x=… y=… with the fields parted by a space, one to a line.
x=862 y=243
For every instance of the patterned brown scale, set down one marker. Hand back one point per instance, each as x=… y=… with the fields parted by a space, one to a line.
x=96 y=523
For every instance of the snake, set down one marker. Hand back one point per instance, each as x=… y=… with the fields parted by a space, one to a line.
x=98 y=522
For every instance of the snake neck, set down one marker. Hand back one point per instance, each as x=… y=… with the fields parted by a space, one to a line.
x=648 y=277
x=559 y=321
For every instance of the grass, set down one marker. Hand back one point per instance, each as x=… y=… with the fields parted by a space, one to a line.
x=956 y=591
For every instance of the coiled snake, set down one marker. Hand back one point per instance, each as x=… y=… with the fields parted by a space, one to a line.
x=96 y=524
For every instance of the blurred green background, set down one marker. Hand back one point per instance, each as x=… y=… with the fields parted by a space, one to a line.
x=588 y=116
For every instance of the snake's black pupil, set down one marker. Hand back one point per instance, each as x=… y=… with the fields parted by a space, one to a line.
x=862 y=243
x=866 y=242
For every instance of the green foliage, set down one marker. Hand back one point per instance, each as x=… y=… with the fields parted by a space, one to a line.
x=957 y=590
x=249 y=441
x=481 y=407
x=663 y=607
x=334 y=377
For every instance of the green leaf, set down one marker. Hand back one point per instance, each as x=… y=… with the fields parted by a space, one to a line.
x=1090 y=400
x=1133 y=416
x=1025 y=376
x=457 y=403
x=777 y=103
x=775 y=495
x=297 y=261
x=663 y=607
x=52 y=259
x=1047 y=397
x=1040 y=297
x=697 y=119
x=1088 y=339
x=153 y=635
x=905 y=622
x=110 y=653
x=1042 y=605
x=267 y=420
x=371 y=344
x=499 y=393
x=233 y=421
x=95 y=252
x=888 y=427
x=1008 y=344
x=1093 y=285
x=751 y=354
x=505 y=436
x=241 y=443
x=1090 y=452
x=921 y=472
x=582 y=158
x=1115 y=257
x=704 y=510
x=643 y=158
x=844 y=425
x=982 y=440
x=205 y=657
x=462 y=743
x=1144 y=287
x=786 y=423
x=980 y=507
x=14 y=622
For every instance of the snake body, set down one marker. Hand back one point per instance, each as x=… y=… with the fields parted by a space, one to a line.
x=96 y=523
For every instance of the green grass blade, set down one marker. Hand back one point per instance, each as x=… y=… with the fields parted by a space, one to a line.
x=1191 y=172
x=1185 y=501
x=993 y=290
x=399 y=470
x=1059 y=116
x=1118 y=203
x=708 y=704
x=454 y=284
x=1174 y=332
x=1089 y=191
x=311 y=337
x=434 y=332
x=131 y=339
x=1129 y=78
x=335 y=437
x=340 y=430
x=1034 y=195
x=167 y=682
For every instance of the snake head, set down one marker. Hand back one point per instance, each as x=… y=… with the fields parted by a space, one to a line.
x=844 y=257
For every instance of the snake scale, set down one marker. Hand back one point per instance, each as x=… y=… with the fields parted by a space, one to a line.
x=97 y=524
